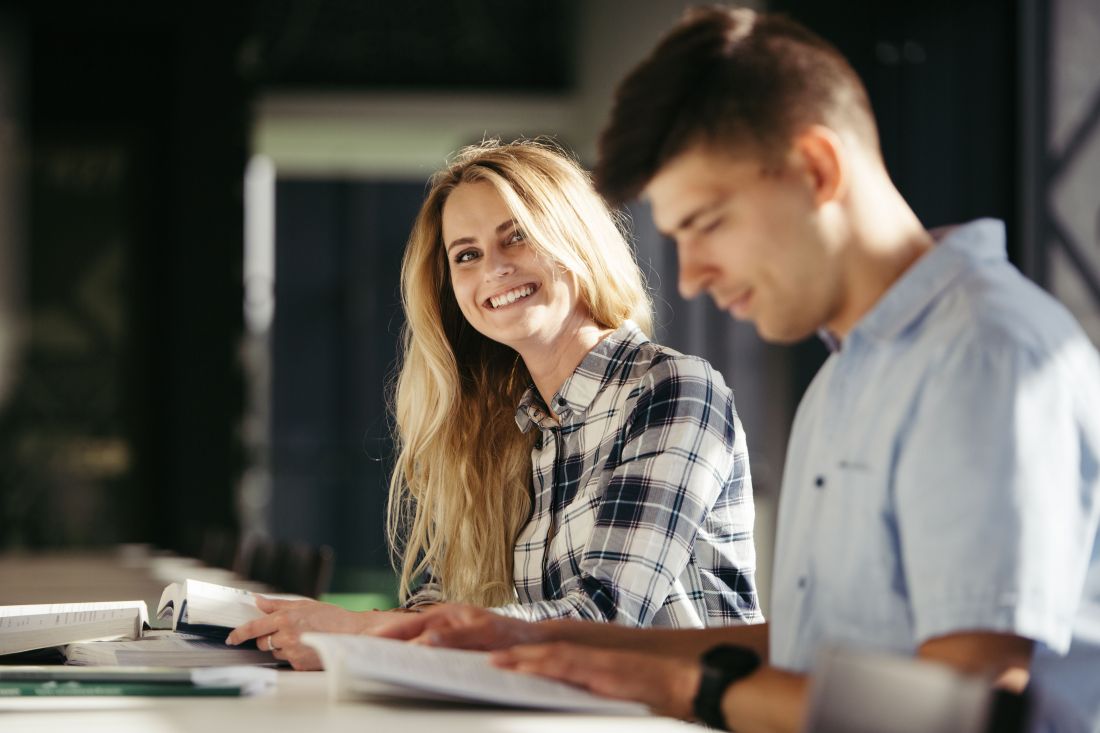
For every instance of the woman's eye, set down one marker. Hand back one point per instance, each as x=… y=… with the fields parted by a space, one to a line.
x=467 y=256
x=516 y=237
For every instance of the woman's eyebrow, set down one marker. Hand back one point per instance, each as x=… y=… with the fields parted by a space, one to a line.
x=501 y=228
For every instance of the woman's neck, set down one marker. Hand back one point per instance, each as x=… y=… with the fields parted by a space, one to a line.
x=551 y=361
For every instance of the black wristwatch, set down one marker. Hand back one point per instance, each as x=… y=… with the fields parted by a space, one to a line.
x=722 y=666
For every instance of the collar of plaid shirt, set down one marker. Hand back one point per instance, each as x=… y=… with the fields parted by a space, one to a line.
x=578 y=392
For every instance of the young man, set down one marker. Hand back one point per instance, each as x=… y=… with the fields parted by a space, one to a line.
x=941 y=493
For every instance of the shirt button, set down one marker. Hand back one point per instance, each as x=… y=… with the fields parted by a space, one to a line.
x=538 y=443
x=802 y=582
x=819 y=482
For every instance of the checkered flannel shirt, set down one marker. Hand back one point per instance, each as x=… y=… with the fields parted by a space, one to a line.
x=642 y=495
x=642 y=498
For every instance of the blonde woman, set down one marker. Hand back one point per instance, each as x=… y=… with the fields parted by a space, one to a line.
x=554 y=462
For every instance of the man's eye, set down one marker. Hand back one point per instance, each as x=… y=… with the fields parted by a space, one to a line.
x=467 y=256
x=710 y=226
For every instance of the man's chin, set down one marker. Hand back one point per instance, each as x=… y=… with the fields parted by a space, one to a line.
x=783 y=334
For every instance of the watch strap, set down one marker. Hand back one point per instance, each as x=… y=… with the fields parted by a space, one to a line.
x=721 y=666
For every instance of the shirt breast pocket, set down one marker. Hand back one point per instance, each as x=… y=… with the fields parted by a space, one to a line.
x=860 y=577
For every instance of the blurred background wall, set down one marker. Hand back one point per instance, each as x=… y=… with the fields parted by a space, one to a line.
x=203 y=209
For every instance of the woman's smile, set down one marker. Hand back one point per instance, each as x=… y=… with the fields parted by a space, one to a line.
x=505 y=298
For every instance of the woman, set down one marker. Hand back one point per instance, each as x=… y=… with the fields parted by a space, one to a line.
x=553 y=461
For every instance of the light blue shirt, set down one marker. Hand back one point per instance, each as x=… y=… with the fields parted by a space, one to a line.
x=942 y=477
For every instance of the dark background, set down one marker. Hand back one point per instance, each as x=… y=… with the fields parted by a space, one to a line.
x=124 y=423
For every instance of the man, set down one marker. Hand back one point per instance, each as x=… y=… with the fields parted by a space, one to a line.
x=941 y=492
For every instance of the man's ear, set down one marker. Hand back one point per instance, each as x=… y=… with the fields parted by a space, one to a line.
x=820 y=156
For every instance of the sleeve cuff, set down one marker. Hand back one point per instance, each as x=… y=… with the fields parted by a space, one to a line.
x=1004 y=613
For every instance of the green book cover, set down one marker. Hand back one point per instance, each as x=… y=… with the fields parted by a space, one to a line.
x=11 y=688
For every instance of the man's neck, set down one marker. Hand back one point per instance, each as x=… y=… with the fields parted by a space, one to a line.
x=886 y=239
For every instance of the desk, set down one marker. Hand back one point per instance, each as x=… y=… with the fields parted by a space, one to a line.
x=300 y=703
x=75 y=577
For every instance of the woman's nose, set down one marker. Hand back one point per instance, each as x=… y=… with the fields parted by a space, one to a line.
x=499 y=266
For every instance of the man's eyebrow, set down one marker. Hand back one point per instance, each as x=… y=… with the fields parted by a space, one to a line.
x=691 y=217
x=501 y=228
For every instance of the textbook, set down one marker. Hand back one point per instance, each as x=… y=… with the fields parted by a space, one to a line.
x=150 y=681
x=40 y=626
x=207 y=609
x=165 y=649
x=365 y=666
x=192 y=607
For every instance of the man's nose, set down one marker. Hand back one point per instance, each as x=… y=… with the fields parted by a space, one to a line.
x=690 y=277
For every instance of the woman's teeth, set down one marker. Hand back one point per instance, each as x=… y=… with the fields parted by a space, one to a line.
x=499 y=301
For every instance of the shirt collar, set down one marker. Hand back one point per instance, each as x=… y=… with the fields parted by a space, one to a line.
x=578 y=392
x=957 y=250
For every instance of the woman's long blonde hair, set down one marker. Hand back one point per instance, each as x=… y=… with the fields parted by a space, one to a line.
x=459 y=493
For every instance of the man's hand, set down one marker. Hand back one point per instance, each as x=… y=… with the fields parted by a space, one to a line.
x=666 y=684
x=461 y=627
x=281 y=629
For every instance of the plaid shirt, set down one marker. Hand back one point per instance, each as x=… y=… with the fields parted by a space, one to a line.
x=642 y=498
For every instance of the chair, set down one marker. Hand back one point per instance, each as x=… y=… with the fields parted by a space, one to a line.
x=304 y=569
x=287 y=567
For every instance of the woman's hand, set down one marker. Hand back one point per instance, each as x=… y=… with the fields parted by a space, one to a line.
x=461 y=627
x=281 y=629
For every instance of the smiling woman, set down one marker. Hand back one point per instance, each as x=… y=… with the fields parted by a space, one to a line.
x=553 y=461
x=624 y=493
x=507 y=289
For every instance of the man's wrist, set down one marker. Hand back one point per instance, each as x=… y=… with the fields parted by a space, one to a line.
x=720 y=668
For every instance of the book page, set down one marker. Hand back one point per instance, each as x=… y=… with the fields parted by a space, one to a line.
x=165 y=649
x=460 y=674
x=218 y=605
x=23 y=628
x=171 y=597
x=37 y=609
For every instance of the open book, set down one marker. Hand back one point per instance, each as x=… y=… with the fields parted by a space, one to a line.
x=206 y=609
x=41 y=626
x=364 y=666
x=191 y=607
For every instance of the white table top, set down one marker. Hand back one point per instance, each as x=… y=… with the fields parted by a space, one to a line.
x=300 y=703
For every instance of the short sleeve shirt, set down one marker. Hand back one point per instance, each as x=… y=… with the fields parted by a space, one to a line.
x=942 y=477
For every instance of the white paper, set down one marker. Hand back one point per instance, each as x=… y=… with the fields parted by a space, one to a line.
x=459 y=674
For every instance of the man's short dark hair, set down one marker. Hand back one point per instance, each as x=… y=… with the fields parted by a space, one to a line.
x=736 y=79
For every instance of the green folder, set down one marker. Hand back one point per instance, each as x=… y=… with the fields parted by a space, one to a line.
x=9 y=688
x=48 y=680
